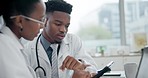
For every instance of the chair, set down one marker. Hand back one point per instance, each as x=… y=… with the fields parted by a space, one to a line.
x=130 y=70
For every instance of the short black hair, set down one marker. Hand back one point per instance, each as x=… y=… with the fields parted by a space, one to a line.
x=58 y=6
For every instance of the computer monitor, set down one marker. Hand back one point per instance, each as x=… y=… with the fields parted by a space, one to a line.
x=142 y=71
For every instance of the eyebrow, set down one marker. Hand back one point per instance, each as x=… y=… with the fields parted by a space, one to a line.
x=61 y=22
x=58 y=21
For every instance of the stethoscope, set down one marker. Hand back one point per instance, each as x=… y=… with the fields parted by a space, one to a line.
x=37 y=57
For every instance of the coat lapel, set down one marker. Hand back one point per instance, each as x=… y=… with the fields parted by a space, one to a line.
x=41 y=52
x=63 y=49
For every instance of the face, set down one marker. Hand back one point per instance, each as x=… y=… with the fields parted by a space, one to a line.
x=30 y=27
x=57 y=26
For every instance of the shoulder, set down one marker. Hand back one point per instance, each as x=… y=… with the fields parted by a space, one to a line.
x=30 y=44
x=7 y=44
x=5 y=40
x=72 y=36
x=72 y=39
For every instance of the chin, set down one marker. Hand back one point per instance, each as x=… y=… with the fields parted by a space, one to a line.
x=30 y=39
x=58 y=42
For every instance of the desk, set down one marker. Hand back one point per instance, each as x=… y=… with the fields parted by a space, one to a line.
x=109 y=75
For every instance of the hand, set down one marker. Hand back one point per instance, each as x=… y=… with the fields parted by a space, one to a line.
x=72 y=64
x=81 y=74
x=93 y=74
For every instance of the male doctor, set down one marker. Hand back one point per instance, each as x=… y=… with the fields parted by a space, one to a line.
x=72 y=60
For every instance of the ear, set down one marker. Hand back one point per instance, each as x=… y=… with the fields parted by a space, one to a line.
x=18 y=21
x=46 y=22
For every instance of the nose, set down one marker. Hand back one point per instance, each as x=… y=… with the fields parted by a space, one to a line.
x=63 y=29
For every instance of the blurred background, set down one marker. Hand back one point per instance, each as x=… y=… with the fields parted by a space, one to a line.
x=111 y=30
x=110 y=23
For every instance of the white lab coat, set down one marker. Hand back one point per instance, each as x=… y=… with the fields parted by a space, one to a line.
x=71 y=45
x=1 y=22
x=12 y=61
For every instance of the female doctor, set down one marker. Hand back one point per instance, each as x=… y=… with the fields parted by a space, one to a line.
x=23 y=18
x=69 y=48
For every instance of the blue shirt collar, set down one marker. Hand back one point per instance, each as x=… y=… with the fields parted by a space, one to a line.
x=45 y=42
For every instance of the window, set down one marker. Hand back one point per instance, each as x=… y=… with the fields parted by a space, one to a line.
x=136 y=13
x=114 y=24
x=96 y=22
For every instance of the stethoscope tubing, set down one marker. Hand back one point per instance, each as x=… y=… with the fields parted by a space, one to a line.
x=37 y=58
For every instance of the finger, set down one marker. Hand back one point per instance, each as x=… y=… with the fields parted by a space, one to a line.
x=62 y=68
x=64 y=63
x=77 y=66
x=69 y=63
x=85 y=66
x=72 y=65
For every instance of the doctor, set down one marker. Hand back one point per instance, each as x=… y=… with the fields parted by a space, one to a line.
x=23 y=18
x=70 y=52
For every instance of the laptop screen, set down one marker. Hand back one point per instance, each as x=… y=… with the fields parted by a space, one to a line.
x=142 y=71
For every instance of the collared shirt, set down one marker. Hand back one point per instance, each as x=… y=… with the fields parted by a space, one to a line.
x=46 y=44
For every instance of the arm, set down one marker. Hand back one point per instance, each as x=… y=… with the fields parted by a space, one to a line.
x=73 y=64
x=81 y=54
x=78 y=59
x=78 y=66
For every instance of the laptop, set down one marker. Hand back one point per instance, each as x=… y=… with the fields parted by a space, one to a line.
x=142 y=71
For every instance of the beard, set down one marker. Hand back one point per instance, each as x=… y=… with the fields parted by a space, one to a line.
x=58 y=41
